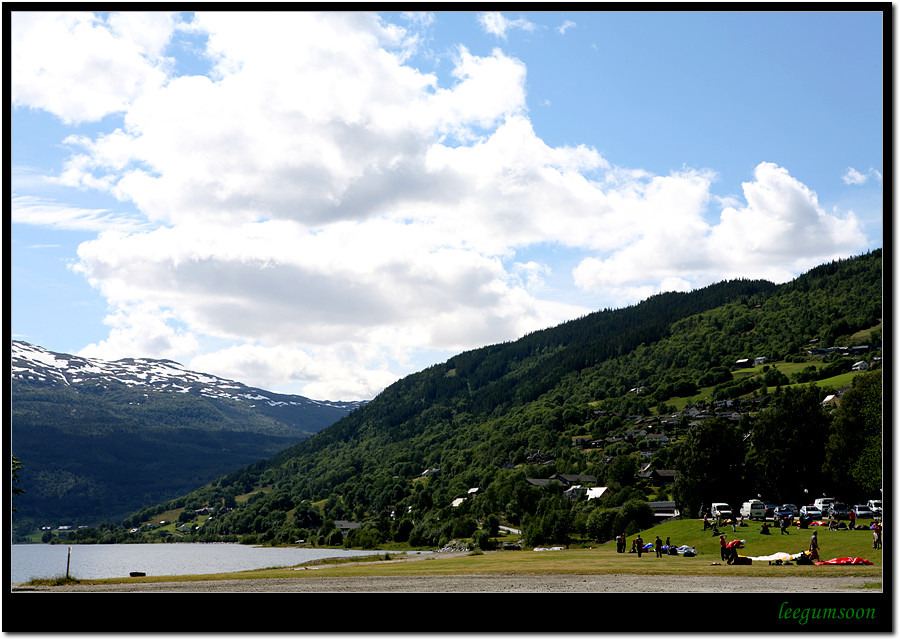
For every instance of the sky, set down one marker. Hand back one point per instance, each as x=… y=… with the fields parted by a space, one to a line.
x=322 y=204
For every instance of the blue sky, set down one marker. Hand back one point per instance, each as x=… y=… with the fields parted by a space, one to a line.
x=322 y=204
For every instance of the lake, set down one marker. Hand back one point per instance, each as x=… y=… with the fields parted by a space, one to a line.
x=91 y=561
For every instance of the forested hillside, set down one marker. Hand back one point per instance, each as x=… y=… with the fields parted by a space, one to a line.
x=583 y=399
x=98 y=439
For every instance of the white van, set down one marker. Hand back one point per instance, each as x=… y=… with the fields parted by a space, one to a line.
x=823 y=504
x=875 y=506
x=720 y=510
x=753 y=509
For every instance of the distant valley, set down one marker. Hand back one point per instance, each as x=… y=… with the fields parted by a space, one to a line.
x=98 y=439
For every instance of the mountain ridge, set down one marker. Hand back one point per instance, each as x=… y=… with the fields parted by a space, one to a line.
x=33 y=363
x=88 y=430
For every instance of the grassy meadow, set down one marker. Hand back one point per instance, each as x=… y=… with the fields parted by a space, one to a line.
x=603 y=559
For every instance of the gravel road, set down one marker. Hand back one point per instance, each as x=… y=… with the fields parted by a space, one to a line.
x=493 y=583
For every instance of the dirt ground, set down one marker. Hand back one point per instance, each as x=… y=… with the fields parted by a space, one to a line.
x=493 y=584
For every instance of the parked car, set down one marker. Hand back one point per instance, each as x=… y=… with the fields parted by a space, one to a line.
x=810 y=511
x=794 y=510
x=753 y=509
x=863 y=512
x=823 y=503
x=784 y=511
x=770 y=509
x=875 y=506
x=838 y=511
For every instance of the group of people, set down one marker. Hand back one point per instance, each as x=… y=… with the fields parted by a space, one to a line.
x=637 y=545
x=729 y=550
x=735 y=522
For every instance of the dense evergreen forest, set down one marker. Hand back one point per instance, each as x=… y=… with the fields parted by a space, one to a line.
x=567 y=401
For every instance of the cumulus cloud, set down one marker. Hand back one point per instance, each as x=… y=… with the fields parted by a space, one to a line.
x=117 y=60
x=344 y=371
x=142 y=329
x=565 y=26
x=779 y=230
x=329 y=211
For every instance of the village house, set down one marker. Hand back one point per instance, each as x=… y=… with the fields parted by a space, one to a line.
x=664 y=510
x=595 y=493
x=566 y=480
x=345 y=526
x=542 y=482
x=663 y=476
x=657 y=438
x=831 y=400
x=631 y=434
x=569 y=479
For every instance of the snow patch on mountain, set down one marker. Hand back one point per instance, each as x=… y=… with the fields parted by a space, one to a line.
x=34 y=364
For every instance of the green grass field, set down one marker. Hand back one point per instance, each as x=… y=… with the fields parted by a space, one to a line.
x=787 y=368
x=603 y=559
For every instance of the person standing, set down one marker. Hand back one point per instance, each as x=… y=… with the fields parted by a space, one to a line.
x=852 y=517
x=658 y=547
x=639 y=541
x=876 y=535
x=723 y=550
x=814 y=546
x=784 y=526
x=705 y=521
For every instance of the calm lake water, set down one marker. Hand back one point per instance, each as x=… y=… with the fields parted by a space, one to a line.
x=90 y=561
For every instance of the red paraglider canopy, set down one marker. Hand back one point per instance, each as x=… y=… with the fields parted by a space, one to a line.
x=845 y=561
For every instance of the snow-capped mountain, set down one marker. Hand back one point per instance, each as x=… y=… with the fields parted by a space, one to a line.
x=36 y=365
x=99 y=440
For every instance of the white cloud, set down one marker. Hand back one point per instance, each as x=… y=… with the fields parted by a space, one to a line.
x=852 y=176
x=44 y=212
x=274 y=282
x=142 y=330
x=497 y=24
x=79 y=67
x=331 y=212
x=565 y=26
x=340 y=372
x=780 y=231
